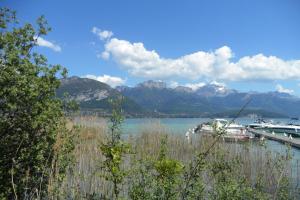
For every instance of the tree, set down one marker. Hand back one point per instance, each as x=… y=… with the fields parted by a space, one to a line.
x=115 y=149
x=31 y=117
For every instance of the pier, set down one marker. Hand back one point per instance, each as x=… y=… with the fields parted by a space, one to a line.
x=295 y=142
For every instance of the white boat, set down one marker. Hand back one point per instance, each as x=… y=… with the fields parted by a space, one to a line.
x=232 y=130
x=286 y=129
x=293 y=130
x=259 y=124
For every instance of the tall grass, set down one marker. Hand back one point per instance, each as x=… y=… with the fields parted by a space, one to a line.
x=256 y=162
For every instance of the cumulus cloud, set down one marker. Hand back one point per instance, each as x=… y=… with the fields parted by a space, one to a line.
x=102 y=34
x=45 y=43
x=113 y=81
x=281 y=89
x=195 y=86
x=211 y=65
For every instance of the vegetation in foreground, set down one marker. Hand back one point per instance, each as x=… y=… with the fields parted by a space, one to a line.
x=41 y=158
x=35 y=143
x=158 y=165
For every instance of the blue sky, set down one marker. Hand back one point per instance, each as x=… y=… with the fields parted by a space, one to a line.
x=248 y=45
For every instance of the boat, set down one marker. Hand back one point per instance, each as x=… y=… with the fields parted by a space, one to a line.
x=293 y=130
x=289 y=129
x=231 y=130
x=259 y=124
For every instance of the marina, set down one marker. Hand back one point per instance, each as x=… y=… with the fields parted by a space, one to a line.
x=294 y=142
x=291 y=128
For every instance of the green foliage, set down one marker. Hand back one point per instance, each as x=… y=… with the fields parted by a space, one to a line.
x=229 y=184
x=167 y=174
x=37 y=147
x=161 y=168
x=30 y=115
x=193 y=185
x=63 y=157
x=167 y=169
x=157 y=178
x=142 y=182
x=69 y=105
x=115 y=149
x=165 y=178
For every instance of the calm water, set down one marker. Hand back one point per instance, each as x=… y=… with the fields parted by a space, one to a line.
x=178 y=125
x=181 y=125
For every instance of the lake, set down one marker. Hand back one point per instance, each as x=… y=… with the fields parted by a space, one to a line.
x=134 y=126
x=181 y=125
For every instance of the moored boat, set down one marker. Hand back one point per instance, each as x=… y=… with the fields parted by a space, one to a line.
x=232 y=130
x=259 y=124
x=293 y=130
x=289 y=129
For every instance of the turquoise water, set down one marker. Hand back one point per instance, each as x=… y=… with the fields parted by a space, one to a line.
x=181 y=125
x=178 y=125
x=172 y=125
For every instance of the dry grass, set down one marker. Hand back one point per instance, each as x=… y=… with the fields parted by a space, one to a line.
x=84 y=179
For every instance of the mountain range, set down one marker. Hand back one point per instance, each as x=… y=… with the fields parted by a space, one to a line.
x=154 y=98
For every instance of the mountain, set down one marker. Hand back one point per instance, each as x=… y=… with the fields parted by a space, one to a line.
x=209 y=100
x=183 y=89
x=276 y=102
x=153 y=85
x=154 y=98
x=163 y=101
x=93 y=95
x=210 y=90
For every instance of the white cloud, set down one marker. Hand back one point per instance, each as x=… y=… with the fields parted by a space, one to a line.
x=218 y=83
x=102 y=34
x=212 y=65
x=105 y=55
x=195 y=86
x=113 y=81
x=281 y=89
x=45 y=43
x=173 y=84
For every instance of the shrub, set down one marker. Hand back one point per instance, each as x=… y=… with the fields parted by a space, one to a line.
x=31 y=117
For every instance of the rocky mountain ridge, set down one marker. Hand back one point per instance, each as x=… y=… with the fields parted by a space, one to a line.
x=154 y=98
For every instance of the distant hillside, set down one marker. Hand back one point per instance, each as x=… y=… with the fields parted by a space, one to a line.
x=168 y=101
x=93 y=96
x=209 y=100
x=155 y=99
x=272 y=102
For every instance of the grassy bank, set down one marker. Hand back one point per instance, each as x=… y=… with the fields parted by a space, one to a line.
x=228 y=171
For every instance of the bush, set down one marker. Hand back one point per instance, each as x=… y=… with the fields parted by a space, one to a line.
x=31 y=117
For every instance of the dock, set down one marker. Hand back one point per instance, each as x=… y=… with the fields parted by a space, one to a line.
x=295 y=142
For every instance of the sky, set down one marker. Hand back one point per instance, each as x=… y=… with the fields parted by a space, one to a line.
x=245 y=45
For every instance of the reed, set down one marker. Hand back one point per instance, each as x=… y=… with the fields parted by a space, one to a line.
x=255 y=163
